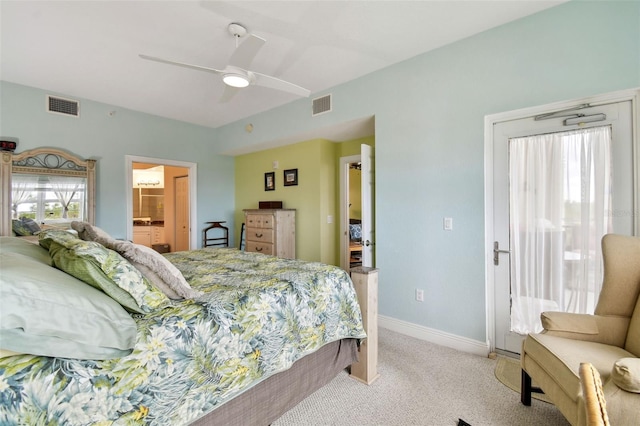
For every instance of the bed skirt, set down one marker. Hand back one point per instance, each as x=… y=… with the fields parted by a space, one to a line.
x=268 y=400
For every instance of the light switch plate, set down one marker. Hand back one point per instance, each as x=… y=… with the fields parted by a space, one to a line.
x=448 y=223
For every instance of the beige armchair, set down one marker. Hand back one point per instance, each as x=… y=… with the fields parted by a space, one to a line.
x=609 y=340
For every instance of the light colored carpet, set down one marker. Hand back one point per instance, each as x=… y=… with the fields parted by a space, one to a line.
x=508 y=372
x=421 y=384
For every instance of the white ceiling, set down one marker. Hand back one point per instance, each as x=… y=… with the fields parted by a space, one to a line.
x=89 y=49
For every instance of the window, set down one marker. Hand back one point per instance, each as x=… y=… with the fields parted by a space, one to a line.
x=48 y=199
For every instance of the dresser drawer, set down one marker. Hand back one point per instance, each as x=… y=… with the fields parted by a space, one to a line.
x=270 y=231
x=257 y=247
x=260 y=221
x=260 y=235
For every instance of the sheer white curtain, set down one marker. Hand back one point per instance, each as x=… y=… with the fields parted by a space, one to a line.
x=65 y=191
x=22 y=188
x=560 y=203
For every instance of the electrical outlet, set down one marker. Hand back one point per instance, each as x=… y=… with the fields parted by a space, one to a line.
x=419 y=295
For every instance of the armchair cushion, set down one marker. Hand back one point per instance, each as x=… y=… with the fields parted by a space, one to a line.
x=626 y=374
x=560 y=358
x=568 y=322
x=610 y=330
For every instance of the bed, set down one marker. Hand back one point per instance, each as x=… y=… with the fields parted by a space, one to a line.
x=204 y=337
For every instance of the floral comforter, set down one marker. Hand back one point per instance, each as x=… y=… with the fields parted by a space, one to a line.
x=259 y=314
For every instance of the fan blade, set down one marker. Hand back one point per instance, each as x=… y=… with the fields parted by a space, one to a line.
x=246 y=51
x=180 y=64
x=229 y=92
x=275 y=83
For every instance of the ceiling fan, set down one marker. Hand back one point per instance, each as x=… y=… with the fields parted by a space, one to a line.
x=236 y=75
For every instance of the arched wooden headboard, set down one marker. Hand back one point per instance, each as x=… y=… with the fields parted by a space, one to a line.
x=44 y=161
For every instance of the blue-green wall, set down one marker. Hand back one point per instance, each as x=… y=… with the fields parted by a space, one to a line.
x=429 y=114
x=96 y=134
x=429 y=119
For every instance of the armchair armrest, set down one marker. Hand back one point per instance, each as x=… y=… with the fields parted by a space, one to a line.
x=609 y=330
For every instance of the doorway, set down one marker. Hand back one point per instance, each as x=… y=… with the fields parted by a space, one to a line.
x=162 y=218
x=356 y=210
x=550 y=260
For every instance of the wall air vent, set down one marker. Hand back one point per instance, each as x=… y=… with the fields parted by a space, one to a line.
x=63 y=106
x=321 y=105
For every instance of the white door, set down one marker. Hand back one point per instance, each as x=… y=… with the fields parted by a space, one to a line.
x=619 y=117
x=182 y=213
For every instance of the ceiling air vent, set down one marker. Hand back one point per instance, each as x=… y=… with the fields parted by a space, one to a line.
x=63 y=106
x=321 y=105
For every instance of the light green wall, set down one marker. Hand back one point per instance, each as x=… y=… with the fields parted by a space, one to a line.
x=355 y=194
x=328 y=174
x=314 y=160
x=315 y=198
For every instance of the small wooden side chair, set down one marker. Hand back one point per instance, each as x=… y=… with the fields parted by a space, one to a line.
x=222 y=241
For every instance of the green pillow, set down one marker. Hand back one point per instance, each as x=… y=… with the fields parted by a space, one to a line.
x=62 y=237
x=20 y=228
x=44 y=311
x=90 y=273
x=19 y=245
x=105 y=269
x=31 y=225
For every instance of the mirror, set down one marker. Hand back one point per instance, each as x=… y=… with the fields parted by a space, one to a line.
x=148 y=192
x=48 y=185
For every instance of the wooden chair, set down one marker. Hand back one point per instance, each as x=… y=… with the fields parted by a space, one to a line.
x=242 y=239
x=222 y=241
x=595 y=405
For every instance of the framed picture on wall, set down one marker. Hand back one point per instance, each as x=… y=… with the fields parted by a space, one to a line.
x=291 y=177
x=270 y=181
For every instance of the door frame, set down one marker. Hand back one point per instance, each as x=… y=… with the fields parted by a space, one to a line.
x=344 y=208
x=632 y=95
x=193 y=185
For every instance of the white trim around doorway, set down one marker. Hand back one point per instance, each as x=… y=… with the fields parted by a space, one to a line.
x=632 y=95
x=193 y=193
x=344 y=208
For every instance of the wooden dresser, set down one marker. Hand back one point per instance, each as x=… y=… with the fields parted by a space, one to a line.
x=271 y=231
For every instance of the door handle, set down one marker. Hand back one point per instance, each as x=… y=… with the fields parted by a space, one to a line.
x=497 y=251
x=367 y=243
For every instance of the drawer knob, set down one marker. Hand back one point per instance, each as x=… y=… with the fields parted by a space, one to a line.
x=258 y=235
x=258 y=248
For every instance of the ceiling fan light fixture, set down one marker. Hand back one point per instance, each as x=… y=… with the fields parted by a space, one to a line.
x=235 y=80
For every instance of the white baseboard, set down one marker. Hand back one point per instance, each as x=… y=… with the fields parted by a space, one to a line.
x=434 y=336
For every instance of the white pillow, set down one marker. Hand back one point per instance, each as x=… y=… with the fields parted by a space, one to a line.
x=155 y=268
x=88 y=232
x=626 y=374
x=151 y=264
x=44 y=311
